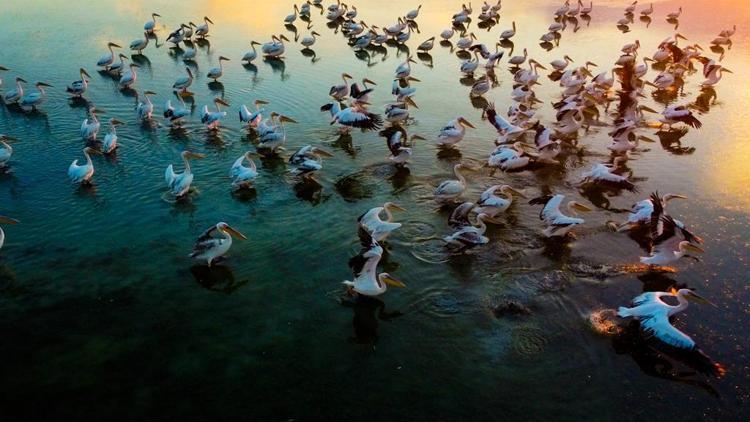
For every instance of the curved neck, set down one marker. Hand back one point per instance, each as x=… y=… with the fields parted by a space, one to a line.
x=459 y=176
x=389 y=216
x=6 y=146
x=88 y=158
x=186 y=161
x=481 y=225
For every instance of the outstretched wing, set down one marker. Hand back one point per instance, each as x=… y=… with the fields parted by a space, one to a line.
x=658 y=326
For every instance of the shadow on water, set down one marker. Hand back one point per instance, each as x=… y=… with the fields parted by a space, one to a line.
x=367 y=311
x=217 y=278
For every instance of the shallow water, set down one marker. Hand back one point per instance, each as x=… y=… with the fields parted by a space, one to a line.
x=103 y=314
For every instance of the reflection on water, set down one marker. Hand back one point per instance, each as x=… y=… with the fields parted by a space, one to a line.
x=103 y=312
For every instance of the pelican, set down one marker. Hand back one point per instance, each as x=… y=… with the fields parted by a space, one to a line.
x=364 y=266
x=654 y=313
x=272 y=138
x=90 y=127
x=144 y=110
x=556 y=27
x=547 y=149
x=413 y=13
x=140 y=44
x=129 y=77
x=116 y=68
x=562 y=10
x=509 y=157
x=5 y=151
x=275 y=48
x=586 y=10
x=503 y=127
x=728 y=32
x=558 y=224
x=375 y=226
x=293 y=17
x=355 y=116
x=341 y=91
x=400 y=151
x=675 y=15
x=5 y=220
x=679 y=113
x=253 y=119
x=202 y=30
x=243 y=176
x=481 y=86
x=465 y=42
x=631 y=48
x=669 y=246
x=449 y=190
x=361 y=94
x=183 y=82
x=508 y=33
x=308 y=41
x=77 y=88
x=649 y=11
x=251 y=55
x=604 y=173
x=469 y=66
x=518 y=60
x=642 y=68
x=307 y=160
x=179 y=184
x=400 y=92
x=13 y=95
x=216 y=72
x=447 y=34
x=642 y=211
x=212 y=118
x=150 y=25
x=209 y=248
x=82 y=174
x=403 y=70
x=470 y=236
x=712 y=71
x=492 y=204
x=175 y=115
x=189 y=54
x=399 y=112
x=453 y=132
x=561 y=64
x=106 y=60
x=427 y=45
x=33 y=99
x=177 y=36
x=110 y=139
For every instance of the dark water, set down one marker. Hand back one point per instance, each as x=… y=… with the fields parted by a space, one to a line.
x=103 y=317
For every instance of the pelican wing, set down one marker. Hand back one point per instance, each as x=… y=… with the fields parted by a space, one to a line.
x=169 y=175
x=657 y=325
x=205 y=242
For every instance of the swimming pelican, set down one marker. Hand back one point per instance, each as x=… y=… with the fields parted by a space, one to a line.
x=129 y=77
x=116 y=68
x=179 y=184
x=140 y=44
x=5 y=151
x=83 y=174
x=558 y=224
x=202 y=30
x=518 y=60
x=674 y=242
x=308 y=41
x=469 y=236
x=654 y=313
x=364 y=266
x=404 y=69
x=465 y=42
x=399 y=111
x=275 y=48
x=78 y=88
x=375 y=226
x=675 y=15
x=469 y=66
x=33 y=99
x=90 y=127
x=449 y=190
x=631 y=8
x=508 y=33
x=106 y=60
x=183 y=82
x=175 y=115
x=642 y=211
x=649 y=11
x=355 y=116
x=243 y=176
x=150 y=25
x=586 y=10
x=341 y=91
x=189 y=54
x=293 y=17
x=712 y=71
x=251 y=55
x=509 y=157
x=273 y=138
x=453 y=132
x=427 y=45
x=481 y=86
x=604 y=173
x=307 y=160
x=13 y=95
x=561 y=64
x=144 y=110
x=5 y=220
x=212 y=118
x=252 y=119
x=209 y=248
x=110 y=139
x=216 y=72
x=413 y=13
x=447 y=34
x=493 y=204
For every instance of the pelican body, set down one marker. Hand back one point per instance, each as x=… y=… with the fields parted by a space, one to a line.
x=208 y=247
x=179 y=183
x=378 y=228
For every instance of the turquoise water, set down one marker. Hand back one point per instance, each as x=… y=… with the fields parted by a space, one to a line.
x=103 y=315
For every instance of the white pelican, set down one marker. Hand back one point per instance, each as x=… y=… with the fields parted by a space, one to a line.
x=304 y=10
x=604 y=173
x=493 y=204
x=179 y=184
x=481 y=86
x=106 y=60
x=427 y=45
x=518 y=60
x=642 y=211
x=465 y=42
x=82 y=174
x=110 y=139
x=508 y=33
x=469 y=236
x=175 y=115
x=216 y=72
x=414 y=13
x=150 y=25
x=362 y=94
x=649 y=11
x=674 y=242
x=177 y=36
x=375 y=226
x=449 y=190
x=547 y=149
x=712 y=71
x=202 y=30
x=399 y=144
x=675 y=15
x=212 y=118
x=364 y=266
x=575 y=10
x=556 y=27
x=254 y=118
x=209 y=248
x=653 y=313
x=562 y=10
x=90 y=127
x=144 y=110
x=183 y=82
x=189 y=54
x=509 y=157
x=140 y=44
x=78 y=88
x=399 y=111
x=558 y=224
x=453 y=132
x=470 y=65
x=586 y=10
x=5 y=220
x=679 y=113
x=307 y=160
x=341 y=91
x=631 y=48
x=5 y=151
x=355 y=116
x=728 y=32
x=129 y=77
x=243 y=176
x=404 y=69
x=13 y=95
x=447 y=34
x=116 y=68
x=631 y=8
x=34 y=98
x=561 y=64
x=272 y=138
x=293 y=17
x=251 y=55
x=307 y=41
x=275 y=48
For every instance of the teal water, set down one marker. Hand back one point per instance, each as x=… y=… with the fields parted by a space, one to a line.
x=104 y=317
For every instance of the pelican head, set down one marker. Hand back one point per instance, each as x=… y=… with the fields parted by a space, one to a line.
x=207 y=20
x=38 y=84
x=285 y=119
x=254 y=43
x=219 y=101
x=89 y=150
x=155 y=15
x=346 y=76
x=690 y=294
x=227 y=229
x=223 y=58
x=3 y=68
x=111 y=44
x=149 y=93
x=115 y=122
x=390 y=280
x=509 y=190
x=321 y=152
x=8 y=220
x=83 y=73
x=260 y=102
x=670 y=196
x=465 y=122
x=686 y=246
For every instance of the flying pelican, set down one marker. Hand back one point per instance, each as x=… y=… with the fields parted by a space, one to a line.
x=216 y=72
x=308 y=41
x=251 y=55
x=179 y=184
x=558 y=224
x=449 y=190
x=83 y=174
x=413 y=13
x=307 y=160
x=275 y=48
x=212 y=118
x=341 y=91
x=202 y=30
x=5 y=151
x=144 y=110
x=243 y=176
x=209 y=248
x=674 y=242
x=5 y=220
x=110 y=139
x=13 y=95
x=493 y=204
x=252 y=119
x=364 y=266
x=469 y=236
x=33 y=99
x=375 y=226
x=106 y=60
x=140 y=44
x=175 y=115
x=508 y=33
x=654 y=313
x=642 y=211
x=453 y=132
x=90 y=127
x=183 y=82
x=78 y=88
x=150 y=25
x=129 y=77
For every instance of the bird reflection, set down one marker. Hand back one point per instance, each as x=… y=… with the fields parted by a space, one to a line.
x=308 y=189
x=367 y=311
x=217 y=278
x=671 y=141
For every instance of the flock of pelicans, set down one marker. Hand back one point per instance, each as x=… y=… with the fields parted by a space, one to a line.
x=523 y=142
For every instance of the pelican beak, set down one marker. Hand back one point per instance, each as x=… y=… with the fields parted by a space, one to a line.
x=695 y=249
x=391 y=281
x=520 y=193
x=645 y=139
x=210 y=21
x=3 y=68
x=679 y=197
x=316 y=34
x=324 y=153
x=235 y=233
x=695 y=297
x=648 y=109
x=94 y=151
x=581 y=207
x=287 y=119
x=396 y=207
x=196 y=155
x=262 y=102
x=254 y=43
x=411 y=60
x=724 y=69
x=680 y=36
x=222 y=102
x=83 y=72
x=467 y=123
x=373 y=83
x=157 y=15
x=651 y=84
x=114 y=45
x=8 y=220
x=149 y=93
x=22 y=80
x=540 y=66
x=346 y=75
x=413 y=79
x=134 y=65
x=411 y=102
x=117 y=122
x=284 y=38
x=45 y=84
